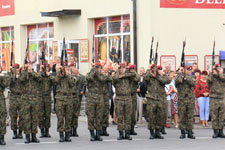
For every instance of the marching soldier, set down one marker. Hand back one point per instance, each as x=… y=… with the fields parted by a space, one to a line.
x=31 y=102
x=134 y=84
x=15 y=108
x=45 y=102
x=4 y=82
x=95 y=81
x=186 y=104
x=123 y=101
x=75 y=99
x=64 y=103
x=216 y=81
x=156 y=81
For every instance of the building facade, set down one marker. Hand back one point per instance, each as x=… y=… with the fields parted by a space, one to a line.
x=104 y=30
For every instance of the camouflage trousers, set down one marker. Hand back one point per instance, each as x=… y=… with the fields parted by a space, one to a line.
x=165 y=108
x=45 y=112
x=134 y=110
x=94 y=112
x=76 y=112
x=155 y=111
x=15 y=112
x=105 y=121
x=30 y=114
x=64 y=111
x=186 y=113
x=3 y=115
x=217 y=112
x=123 y=112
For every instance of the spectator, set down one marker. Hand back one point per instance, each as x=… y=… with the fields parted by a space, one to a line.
x=202 y=93
x=194 y=66
x=167 y=69
x=197 y=73
x=141 y=91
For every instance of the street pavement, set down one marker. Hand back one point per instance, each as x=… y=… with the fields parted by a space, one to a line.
x=203 y=140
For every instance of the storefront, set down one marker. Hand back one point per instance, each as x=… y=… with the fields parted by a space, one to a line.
x=105 y=31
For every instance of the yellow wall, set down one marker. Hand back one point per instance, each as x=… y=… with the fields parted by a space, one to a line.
x=169 y=26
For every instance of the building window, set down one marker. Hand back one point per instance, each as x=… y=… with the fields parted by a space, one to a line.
x=41 y=38
x=6 y=38
x=112 y=39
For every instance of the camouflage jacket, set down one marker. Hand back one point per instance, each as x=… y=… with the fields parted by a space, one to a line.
x=105 y=87
x=31 y=82
x=185 y=87
x=123 y=84
x=74 y=89
x=216 y=84
x=46 y=85
x=95 y=82
x=134 y=83
x=156 y=86
x=15 y=84
x=4 y=83
x=64 y=84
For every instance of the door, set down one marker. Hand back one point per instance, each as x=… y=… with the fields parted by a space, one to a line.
x=73 y=51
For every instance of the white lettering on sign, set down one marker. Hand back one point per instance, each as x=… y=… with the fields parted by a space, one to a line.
x=5 y=6
x=210 y=1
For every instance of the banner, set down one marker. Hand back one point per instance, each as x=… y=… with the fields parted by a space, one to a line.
x=209 y=4
x=7 y=7
x=168 y=60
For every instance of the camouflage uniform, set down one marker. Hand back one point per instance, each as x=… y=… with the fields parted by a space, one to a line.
x=186 y=103
x=45 y=105
x=95 y=101
x=156 y=98
x=31 y=103
x=4 y=82
x=76 y=105
x=134 y=84
x=15 y=106
x=217 y=105
x=123 y=102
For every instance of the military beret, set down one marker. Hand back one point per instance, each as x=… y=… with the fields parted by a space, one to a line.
x=17 y=66
x=217 y=65
x=189 y=68
x=98 y=64
x=72 y=65
x=159 y=67
x=65 y=63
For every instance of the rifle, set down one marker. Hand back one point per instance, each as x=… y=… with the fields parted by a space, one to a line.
x=151 y=52
x=183 y=58
x=27 y=51
x=213 y=55
x=119 y=53
x=13 y=61
x=64 y=55
x=156 y=56
x=43 y=61
x=93 y=50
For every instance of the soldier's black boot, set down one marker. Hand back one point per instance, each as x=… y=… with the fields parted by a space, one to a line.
x=132 y=131
x=182 y=136
x=75 y=134
x=121 y=137
x=221 y=134
x=163 y=131
x=14 y=134
x=20 y=136
x=152 y=134
x=34 y=138
x=98 y=135
x=215 y=133
x=27 y=140
x=2 y=140
x=42 y=133
x=92 y=133
x=104 y=132
x=67 y=137
x=61 y=137
x=47 y=133
x=127 y=135
x=158 y=135
x=190 y=134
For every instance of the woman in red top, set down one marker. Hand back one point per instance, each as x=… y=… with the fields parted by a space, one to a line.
x=202 y=93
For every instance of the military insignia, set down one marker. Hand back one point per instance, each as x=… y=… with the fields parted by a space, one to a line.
x=177 y=2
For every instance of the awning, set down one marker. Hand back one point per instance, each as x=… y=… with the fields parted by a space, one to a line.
x=61 y=13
